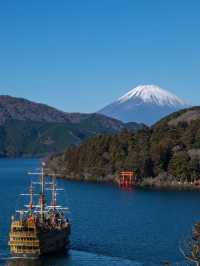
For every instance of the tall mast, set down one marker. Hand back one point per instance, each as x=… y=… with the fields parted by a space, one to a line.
x=31 y=204
x=54 y=194
x=31 y=197
x=42 y=199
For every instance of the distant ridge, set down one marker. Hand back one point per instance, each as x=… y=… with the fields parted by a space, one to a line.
x=34 y=129
x=144 y=104
x=23 y=109
x=13 y=108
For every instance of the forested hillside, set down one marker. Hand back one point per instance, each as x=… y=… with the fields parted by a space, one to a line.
x=34 y=129
x=168 y=150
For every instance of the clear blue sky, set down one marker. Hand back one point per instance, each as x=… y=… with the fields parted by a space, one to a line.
x=79 y=55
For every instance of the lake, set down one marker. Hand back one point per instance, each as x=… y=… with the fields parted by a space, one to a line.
x=110 y=226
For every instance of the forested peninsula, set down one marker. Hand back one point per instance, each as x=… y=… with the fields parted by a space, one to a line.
x=167 y=154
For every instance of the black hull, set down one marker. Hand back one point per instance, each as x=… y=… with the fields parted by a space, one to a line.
x=54 y=241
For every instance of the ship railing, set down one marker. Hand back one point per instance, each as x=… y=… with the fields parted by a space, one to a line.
x=21 y=243
x=20 y=234
x=19 y=223
x=28 y=223
x=21 y=229
x=24 y=241
x=24 y=250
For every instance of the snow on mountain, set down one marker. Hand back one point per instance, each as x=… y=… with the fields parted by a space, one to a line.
x=144 y=104
x=153 y=94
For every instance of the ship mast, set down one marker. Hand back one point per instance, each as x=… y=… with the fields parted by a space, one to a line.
x=54 y=194
x=31 y=204
x=54 y=206
x=31 y=198
x=42 y=197
x=41 y=205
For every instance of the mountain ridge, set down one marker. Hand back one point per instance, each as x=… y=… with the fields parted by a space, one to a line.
x=144 y=104
x=31 y=129
x=14 y=108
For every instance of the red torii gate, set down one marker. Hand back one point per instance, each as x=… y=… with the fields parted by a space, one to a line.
x=127 y=179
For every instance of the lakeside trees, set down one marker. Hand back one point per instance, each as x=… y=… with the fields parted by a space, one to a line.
x=172 y=151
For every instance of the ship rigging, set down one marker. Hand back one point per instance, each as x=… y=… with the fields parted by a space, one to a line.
x=41 y=228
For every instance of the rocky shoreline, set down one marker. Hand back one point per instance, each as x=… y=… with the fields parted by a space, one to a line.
x=166 y=185
x=146 y=183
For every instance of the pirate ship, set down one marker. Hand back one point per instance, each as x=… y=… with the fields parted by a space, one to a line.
x=39 y=229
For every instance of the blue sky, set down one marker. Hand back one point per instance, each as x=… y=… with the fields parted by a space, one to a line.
x=80 y=55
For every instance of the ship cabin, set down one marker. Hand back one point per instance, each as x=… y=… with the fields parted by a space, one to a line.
x=23 y=238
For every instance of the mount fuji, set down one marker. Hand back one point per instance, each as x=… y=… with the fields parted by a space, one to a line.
x=144 y=104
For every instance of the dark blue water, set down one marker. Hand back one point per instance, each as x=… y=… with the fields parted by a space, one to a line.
x=109 y=226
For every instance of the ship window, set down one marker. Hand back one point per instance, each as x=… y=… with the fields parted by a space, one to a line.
x=18 y=229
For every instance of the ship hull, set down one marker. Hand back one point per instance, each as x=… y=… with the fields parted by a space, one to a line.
x=40 y=243
x=49 y=247
x=53 y=242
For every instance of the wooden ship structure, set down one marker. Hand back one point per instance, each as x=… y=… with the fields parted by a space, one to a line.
x=40 y=229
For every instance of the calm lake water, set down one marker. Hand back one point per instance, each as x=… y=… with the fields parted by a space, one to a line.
x=109 y=226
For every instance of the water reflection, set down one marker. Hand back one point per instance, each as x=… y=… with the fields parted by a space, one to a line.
x=45 y=261
x=75 y=258
x=23 y=262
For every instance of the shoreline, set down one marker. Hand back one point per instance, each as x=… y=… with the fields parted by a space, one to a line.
x=145 y=184
x=165 y=186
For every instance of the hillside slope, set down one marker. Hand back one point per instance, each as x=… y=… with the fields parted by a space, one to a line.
x=34 y=129
x=170 y=150
x=12 y=108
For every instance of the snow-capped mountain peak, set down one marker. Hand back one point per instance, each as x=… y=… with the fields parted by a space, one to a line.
x=152 y=94
x=144 y=104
